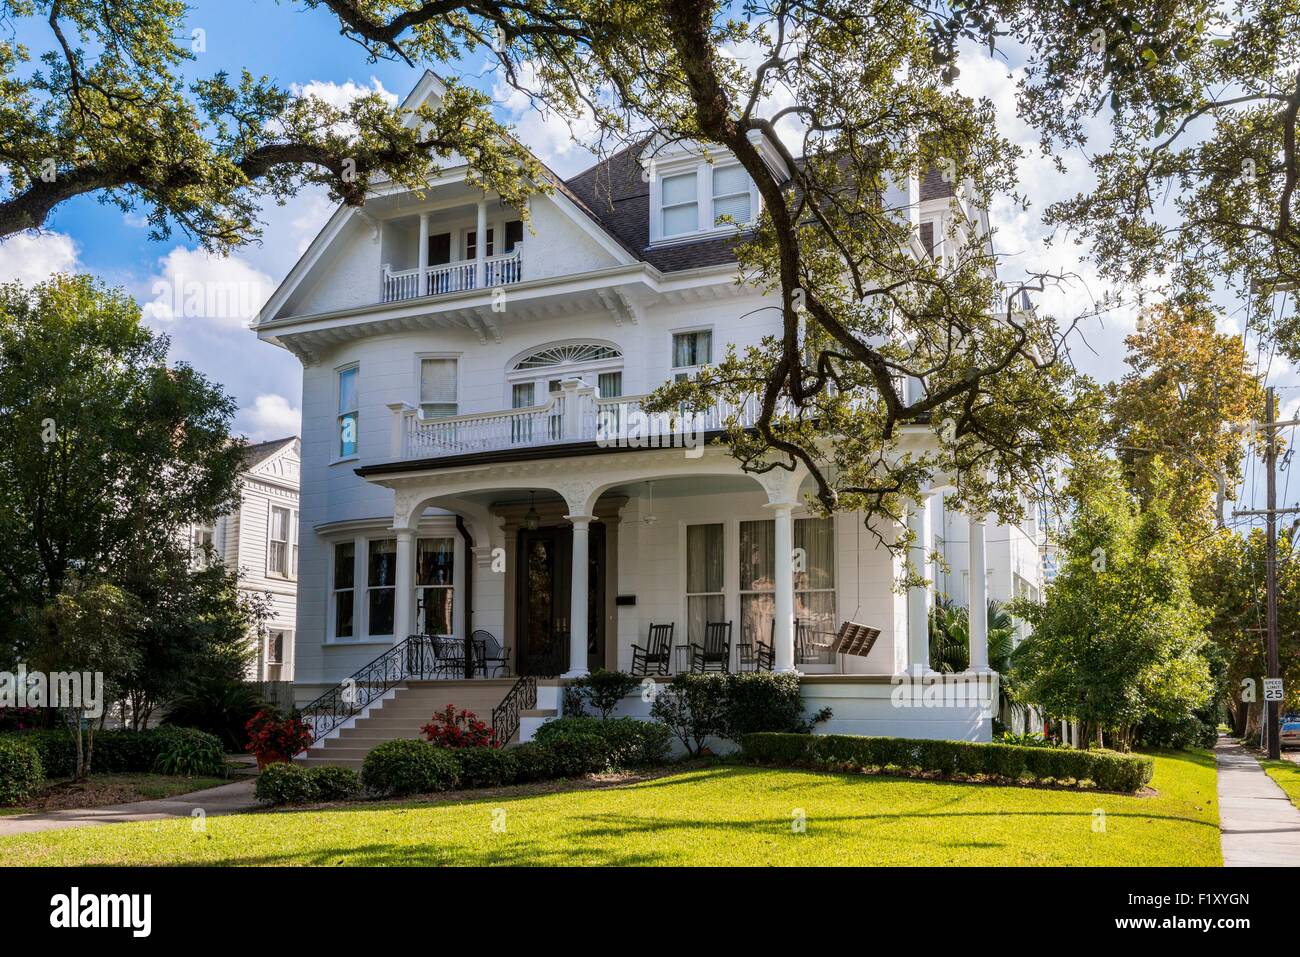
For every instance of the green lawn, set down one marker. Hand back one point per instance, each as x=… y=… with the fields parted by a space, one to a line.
x=719 y=815
x=1287 y=775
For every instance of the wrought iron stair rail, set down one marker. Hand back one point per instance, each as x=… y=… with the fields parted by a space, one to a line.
x=505 y=717
x=414 y=657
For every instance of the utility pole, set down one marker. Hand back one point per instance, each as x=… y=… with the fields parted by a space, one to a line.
x=1272 y=708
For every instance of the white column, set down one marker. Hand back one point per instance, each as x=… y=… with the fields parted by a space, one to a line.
x=424 y=255
x=404 y=592
x=918 y=596
x=578 y=598
x=783 y=544
x=480 y=247
x=977 y=600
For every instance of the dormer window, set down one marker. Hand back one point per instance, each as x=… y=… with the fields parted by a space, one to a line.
x=680 y=206
x=730 y=195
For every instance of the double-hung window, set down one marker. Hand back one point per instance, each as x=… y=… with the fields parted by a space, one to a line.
x=813 y=562
x=679 y=204
x=757 y=580
x=348 y=414
x=730 y=195
x=345 y=557
x=282 y=549
x=705 y=600
x=438 y=388
x=814 y=572
x=434 y=565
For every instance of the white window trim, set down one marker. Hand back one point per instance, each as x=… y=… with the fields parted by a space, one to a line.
x=685 y=573
x=336 y=455
x=390 y=636
x=290 y=545
x=705 y=227
x=419 y=366
x=673 y=370
x=455 y=568
x=331 y=619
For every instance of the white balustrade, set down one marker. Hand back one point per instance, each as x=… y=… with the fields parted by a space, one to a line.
x=452 y=277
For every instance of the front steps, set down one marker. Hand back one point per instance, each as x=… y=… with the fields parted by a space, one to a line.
x=401 y=714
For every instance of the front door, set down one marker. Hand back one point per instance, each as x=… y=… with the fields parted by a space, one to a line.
x=544 y=599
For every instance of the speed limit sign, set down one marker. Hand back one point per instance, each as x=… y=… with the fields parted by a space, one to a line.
x=1272 y=689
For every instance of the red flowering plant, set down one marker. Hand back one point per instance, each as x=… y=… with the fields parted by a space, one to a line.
x=450 y=728
x=274 y=738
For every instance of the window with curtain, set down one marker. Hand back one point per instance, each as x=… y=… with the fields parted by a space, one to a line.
x=347 y=420
x=757 y=580
x=345 y=554
x=434 y=564
x=277 y=555
x=705 y=600
x=690 y=351
x=730 y=194
x=438 y=387
x=380 y=586
x=609 y=385
x=514 y=234
x=814 y=577
x=679 y=204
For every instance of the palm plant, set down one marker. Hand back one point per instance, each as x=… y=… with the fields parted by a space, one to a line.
x=950 y=642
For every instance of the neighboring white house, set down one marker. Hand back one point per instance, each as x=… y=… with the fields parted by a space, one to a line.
x=457 y=398
x=259 y=539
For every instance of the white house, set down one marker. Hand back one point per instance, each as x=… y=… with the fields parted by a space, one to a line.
x=259 y=539
x=458 y=394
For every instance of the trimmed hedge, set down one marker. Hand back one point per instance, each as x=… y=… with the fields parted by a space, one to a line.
x=1106 y=770
x=595 y=744
x=410 y=767
x=20 y=771
x=283 y=783
x=534 y=762
x=486 y=767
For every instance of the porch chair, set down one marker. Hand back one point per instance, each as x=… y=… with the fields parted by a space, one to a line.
x=656 y=653
x=715 y=653
x=450 y=656
x=489 y=654
x=756 y=655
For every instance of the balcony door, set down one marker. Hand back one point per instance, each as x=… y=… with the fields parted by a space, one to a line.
x=542 y=617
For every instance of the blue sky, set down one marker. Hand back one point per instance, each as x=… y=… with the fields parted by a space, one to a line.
x=302 y=47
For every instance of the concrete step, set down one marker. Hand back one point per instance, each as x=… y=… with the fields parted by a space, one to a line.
x=316 y=762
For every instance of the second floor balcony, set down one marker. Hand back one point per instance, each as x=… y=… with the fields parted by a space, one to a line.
x=491 y=272
x=575 y=414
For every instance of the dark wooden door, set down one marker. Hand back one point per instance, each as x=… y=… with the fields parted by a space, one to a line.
x=542 y=615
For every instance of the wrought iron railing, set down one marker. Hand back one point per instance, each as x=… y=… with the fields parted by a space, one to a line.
x=415 y=657
x=505 y=716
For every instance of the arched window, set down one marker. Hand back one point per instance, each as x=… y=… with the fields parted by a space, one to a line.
x=568 y=354
x=539 y=374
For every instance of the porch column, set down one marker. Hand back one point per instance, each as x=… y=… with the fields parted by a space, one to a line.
x=480 y=247
x=578 y=598
x=977 y=600
x=783 y=545
x=424 y=255
x=404 y=592
x=918 y=596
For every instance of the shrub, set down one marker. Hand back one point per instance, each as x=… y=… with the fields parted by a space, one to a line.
x=759 y=701
x=117 y=751
x=534 y=762
x=452 y=729
x=284 y=783
x=190 y=752
x=220 y=705
x=487 y=767
x=20 y=771
x=574 y=754
x=624 y=742
x=1107 y=770
x=331 y=783
x=272 y=737
x=409 y=767
x=694 y=708
x=603 y=690
x=1186 y=731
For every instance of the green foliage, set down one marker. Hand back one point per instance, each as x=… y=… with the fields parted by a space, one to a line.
x=696 y=707
x=21 y=772
x=287 y=783
x=1119 y=638
x=190 y=752
x=409 y=767
x=534 y=762
x=218 y=704
x=604 y=690
x=117 y=750
x=620 y=742
x=486 y=767
x=1105 y=770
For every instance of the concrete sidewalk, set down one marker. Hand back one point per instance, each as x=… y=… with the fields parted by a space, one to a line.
x=1258 y=825
x=226 y=799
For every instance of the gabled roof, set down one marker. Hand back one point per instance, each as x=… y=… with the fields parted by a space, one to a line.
x=260 y=452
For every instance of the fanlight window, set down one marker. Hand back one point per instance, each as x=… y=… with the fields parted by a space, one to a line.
x=563 y=355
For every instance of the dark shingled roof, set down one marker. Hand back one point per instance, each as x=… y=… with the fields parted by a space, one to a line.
x=255 y=455
x=933 y=185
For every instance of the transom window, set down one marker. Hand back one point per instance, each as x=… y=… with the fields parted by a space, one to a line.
x=569 y=353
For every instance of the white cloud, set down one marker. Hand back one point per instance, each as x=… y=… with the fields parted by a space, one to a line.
x=339 y=95
x=271 y=417
x=32 y=257
x=564 y=145
x=194 y=284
